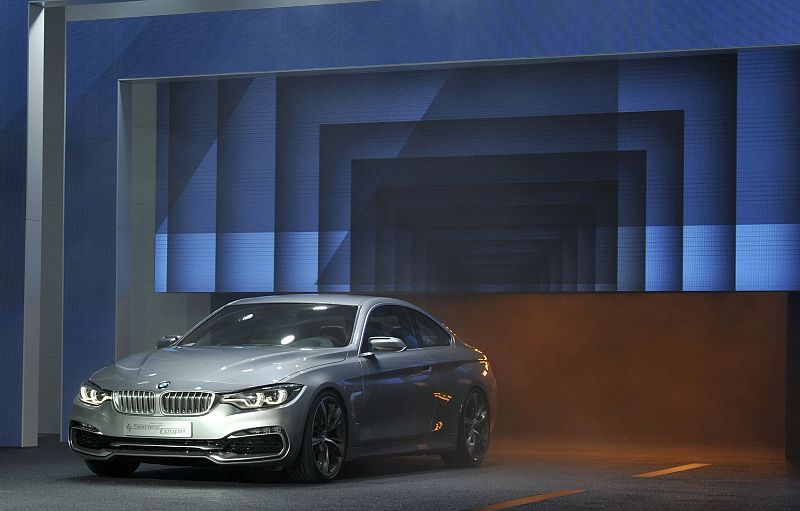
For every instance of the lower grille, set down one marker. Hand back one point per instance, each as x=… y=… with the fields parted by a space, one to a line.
x=136 y=402
x=186 y=403
x=89 y=440
x=268 y=445
x=97 y=442
x=262 y=445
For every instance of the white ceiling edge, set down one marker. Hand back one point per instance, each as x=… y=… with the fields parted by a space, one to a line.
x=139 y=8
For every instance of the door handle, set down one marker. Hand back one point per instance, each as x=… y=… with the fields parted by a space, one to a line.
x=424 y=370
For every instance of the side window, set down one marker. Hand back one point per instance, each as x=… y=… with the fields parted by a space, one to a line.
x=390 y=321
x=430 y=333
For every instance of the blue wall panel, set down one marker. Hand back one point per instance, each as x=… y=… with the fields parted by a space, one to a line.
x=768 y=171
x=192 y=186
x=245 y=249
x=162 y=187
x=13 y=94
x=216 y=185
x=705 y=90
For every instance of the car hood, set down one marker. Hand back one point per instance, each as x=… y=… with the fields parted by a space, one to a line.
x=212 y=368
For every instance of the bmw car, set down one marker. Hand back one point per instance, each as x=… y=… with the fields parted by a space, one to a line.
x=301 y=383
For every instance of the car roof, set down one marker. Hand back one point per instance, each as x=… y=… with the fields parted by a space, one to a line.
x=330 y=299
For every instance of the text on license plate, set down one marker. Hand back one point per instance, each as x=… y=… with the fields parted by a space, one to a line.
x=166 y=429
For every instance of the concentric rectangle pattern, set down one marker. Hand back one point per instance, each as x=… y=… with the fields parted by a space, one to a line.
x=660 y=174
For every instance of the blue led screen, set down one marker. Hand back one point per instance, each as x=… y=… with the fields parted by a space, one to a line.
x=657 y=174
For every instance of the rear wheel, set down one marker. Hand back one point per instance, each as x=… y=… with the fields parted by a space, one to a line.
x=118 y=467
x=322 y=452
x=473 y=432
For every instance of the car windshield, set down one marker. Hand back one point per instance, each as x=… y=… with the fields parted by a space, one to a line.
x=290 y=325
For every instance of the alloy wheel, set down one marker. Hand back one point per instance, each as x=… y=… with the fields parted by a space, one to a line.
x=328 y=436
x=476 y=425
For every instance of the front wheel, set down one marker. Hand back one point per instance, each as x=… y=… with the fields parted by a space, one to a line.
x=473 y=432
x=113 y=468
x=322 y=452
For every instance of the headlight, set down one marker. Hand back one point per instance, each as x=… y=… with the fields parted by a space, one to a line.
x=92 y=395
x=263 y=397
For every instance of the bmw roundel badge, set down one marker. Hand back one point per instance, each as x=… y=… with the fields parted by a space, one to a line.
x=163 y=385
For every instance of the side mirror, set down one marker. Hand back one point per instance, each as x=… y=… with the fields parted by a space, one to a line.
x=386 y=344
x=167 y=341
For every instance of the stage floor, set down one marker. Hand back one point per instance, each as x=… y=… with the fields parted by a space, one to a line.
x=516 y=475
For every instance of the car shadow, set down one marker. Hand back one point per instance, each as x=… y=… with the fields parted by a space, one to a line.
x=251 y=475
x=393 y=467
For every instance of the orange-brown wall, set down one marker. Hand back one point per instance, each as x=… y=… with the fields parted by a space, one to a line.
x=652 y=367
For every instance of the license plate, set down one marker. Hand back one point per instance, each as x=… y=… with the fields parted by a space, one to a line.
x=162 y=429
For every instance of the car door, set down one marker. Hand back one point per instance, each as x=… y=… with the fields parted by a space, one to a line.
x=399 y=386
x=438 y=343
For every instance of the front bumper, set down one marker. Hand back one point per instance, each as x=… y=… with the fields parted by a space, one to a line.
x=224 y=435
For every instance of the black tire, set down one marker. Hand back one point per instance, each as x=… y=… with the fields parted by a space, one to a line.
x=118 y=467
x=324 y=446
x=474 y=430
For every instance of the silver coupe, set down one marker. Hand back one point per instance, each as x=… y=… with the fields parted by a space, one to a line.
x=302 y=382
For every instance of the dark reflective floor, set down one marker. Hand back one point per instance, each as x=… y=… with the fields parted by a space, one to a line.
x=49 y=477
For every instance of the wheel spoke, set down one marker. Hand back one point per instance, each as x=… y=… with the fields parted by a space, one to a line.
x=334 y=419
x=477 y=434
x=471 y=407
x=322 y=412
x=323 y=460
x=338 y=445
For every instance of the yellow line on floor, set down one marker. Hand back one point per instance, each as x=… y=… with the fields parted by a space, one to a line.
x=528 y=500
x=672 y=470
